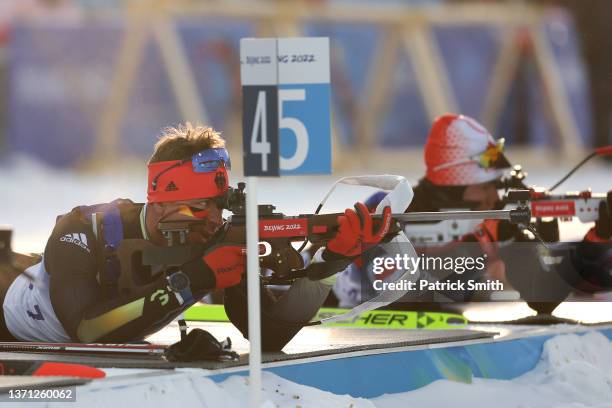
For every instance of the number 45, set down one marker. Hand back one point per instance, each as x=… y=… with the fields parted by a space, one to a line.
x=295 y=125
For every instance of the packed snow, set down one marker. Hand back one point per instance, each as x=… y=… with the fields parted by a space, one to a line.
x=574 y=371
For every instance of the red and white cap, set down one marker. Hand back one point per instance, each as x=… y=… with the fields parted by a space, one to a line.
x=460 y=151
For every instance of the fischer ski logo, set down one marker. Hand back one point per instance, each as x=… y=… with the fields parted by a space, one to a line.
x=393 y=319
x=424 y=320
x=382 y=319
x=78 y=239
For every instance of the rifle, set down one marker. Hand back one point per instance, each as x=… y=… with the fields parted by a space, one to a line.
x=277 y=232
x=548 y=208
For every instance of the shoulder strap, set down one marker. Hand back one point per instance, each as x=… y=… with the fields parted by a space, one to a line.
x=106 y=222
x=107 y=227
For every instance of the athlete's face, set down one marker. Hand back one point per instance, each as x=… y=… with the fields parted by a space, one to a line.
x=485 y=194
x=204 y=214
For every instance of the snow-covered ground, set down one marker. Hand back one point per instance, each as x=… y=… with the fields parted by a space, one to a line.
x=574 y=371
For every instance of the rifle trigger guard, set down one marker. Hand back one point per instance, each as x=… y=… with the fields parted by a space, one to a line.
x=284 y=258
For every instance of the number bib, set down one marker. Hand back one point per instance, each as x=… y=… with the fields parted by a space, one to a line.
x=27 y=308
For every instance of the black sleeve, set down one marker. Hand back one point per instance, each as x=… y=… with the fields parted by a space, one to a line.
x=590 y=266
x=78 y=299
x=70 y=260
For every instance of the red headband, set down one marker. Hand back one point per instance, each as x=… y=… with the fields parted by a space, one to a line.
x=177 y=181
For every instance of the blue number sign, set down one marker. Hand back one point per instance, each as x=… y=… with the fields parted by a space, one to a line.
x=286 y=105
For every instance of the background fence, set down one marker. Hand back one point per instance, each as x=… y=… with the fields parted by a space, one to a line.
x=98 y=86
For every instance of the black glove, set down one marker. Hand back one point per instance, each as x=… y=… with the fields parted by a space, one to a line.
x=200 y=345
x=603 y=226
x=498 y=230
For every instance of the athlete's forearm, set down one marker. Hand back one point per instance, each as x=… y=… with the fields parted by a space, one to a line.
x=132 y=317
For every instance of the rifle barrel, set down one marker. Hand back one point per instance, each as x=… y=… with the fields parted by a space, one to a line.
x=453 y=215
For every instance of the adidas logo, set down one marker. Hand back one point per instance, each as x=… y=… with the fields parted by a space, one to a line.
x=171 y=186
x=78 y=239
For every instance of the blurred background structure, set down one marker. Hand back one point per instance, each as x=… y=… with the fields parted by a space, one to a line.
x=90 y=82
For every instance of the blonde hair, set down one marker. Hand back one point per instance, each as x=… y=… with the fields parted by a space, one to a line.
x=183 y=141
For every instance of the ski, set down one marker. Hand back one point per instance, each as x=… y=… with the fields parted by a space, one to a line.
x=48 y=368
x=380 y=319
x=35 y=347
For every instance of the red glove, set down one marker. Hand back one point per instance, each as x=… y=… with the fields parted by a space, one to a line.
x=356 y=231
x=487 y=235
x=227 y=263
